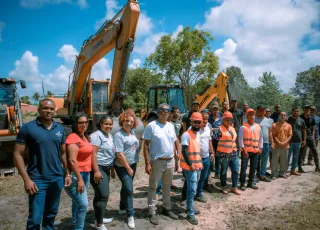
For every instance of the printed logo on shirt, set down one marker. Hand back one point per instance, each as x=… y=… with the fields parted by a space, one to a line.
x=58 y=134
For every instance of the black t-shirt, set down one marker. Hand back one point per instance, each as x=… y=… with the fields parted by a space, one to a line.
x=297 y=126
x=186 y=119
x=309 y=123
x=237 y=118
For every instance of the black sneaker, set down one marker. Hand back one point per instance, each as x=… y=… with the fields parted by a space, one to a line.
x=253 y=186
x=196 y=212
x=169 y=214
x=264 y=179
x=242 y=187
x=201 y=199
x=153 y=219
x=192 y=220
x=301 y=170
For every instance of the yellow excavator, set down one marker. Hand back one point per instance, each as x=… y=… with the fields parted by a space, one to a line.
x=173 y=95
x=100 y=97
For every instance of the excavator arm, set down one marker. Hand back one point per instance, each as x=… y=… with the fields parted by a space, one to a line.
x=118 y=33
x=218 y=89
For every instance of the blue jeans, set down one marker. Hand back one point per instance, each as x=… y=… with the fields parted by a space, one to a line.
x=126 y=198
x=295 y=149
x=264 y=159
x=253 y=167
x=192 y=179
x=79 y=201
x=203 y=176
x=234 y=166
x=44 y=205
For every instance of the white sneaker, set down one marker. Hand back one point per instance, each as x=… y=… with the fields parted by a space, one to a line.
x=131 y=222
x=107 y=220
x=102 y=227
x=122 y=211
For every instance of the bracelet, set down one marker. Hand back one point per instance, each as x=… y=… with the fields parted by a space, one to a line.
x=69 y=175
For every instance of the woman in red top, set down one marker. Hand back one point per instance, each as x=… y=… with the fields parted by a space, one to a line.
x=79 y=152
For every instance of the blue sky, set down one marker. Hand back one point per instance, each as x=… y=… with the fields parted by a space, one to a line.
x=40 y=38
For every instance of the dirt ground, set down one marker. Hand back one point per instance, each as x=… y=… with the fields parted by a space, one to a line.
x=292 y=203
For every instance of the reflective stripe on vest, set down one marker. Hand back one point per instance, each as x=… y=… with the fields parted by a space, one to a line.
x=251 y=139
x=193 y=152
x=226 y=143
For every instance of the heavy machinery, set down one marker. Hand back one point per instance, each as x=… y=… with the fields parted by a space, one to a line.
x=10 y=118
x=100 y=97
x=173 y=95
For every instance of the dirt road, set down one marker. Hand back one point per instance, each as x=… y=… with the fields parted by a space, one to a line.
x=292 y=203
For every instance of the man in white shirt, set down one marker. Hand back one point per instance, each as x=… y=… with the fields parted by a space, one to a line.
x=160 y=139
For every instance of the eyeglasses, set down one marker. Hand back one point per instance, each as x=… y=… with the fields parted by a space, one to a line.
x=165 y=110
x=196 y=122
x=82 y=122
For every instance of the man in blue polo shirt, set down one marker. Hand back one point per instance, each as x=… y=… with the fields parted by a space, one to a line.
x=43 y=180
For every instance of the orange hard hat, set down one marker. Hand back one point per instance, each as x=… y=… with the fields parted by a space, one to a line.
x=227 y=115
x=196 y=116
x=250 y=110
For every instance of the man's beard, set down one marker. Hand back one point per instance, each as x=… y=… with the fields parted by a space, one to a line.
x=196 y=129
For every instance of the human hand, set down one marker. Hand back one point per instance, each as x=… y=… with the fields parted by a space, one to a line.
x=80 y=186
x=97 y=177
x=30 y=187
x=130 y=171
x=67 y=181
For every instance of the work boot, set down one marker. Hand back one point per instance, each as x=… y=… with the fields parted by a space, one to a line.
x=216 y=176
x=173 y=186
x=295 y=173
x=170 y=214
x=192 y=220
x=317 y=169
x=196 y=212
x=264 y=179
x=153 y=219
x=284 y=176
x=242 y=187
x=253 y=186
x=300 y=170
x=201 y=199
x=235 y=191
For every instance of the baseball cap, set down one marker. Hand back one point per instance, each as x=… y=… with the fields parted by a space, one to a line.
x=194 y=102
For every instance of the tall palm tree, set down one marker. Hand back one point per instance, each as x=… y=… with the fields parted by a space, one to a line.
x=35 y=97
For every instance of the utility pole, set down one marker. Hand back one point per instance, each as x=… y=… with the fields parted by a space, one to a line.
x=42 y=90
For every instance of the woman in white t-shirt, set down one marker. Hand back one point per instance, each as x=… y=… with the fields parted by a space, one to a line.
x=102 y=168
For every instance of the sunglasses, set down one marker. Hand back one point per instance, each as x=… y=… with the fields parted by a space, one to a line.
x=82 y=122
x=164 y=110
x=196 y=122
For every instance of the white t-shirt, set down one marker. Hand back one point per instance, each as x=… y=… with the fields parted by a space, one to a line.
x=162 y=138
x=205 y=138
x=106 y=152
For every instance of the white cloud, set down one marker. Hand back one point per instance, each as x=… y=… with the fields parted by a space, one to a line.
x=148 y=45
x=265 y=36
x=145 y=25
x=2 y=26
x=135 y=63
x=32 y=4
x=112 y=8
x=68 y=53
x=177 y=31
x=101 y=70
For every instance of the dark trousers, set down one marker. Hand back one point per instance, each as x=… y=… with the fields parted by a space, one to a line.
x=244 y=165
x=44 y=205
x=215 y=166
x=101 y=192
x=310 y=155
x=126 y=193
x=310 y=143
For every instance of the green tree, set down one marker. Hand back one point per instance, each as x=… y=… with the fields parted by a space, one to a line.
x=307 y=87
x=25 y=99
x=49 y=93
x=269 y=93
x=238 y=86
x=185 y=59
x=138 y=82
x=35 y=97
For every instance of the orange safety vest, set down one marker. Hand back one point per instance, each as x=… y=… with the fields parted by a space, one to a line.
x=193 y=152
x=251 y=139
x=226 y=143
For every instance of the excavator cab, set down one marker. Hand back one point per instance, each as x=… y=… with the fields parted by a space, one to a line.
x=173 y=95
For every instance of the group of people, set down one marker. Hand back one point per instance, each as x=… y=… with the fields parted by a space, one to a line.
x=204 y=141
